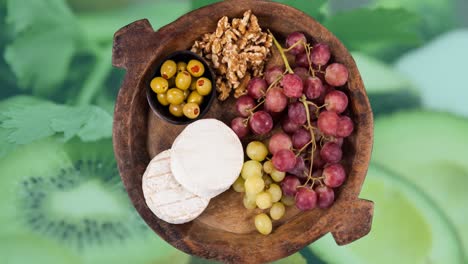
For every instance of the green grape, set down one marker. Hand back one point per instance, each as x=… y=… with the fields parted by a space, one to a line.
x=159 y=85
x=267 y=179
x=176 y=109
x=277 y=211
x=203 y=86
x=175 y=96
x=195 y=97
x=249 y=201
x=191 y=110
x=162 y=99
x=183 y=80
x=288 y=200
x=268 y=167
x=181 y=66
x=256 y=150
x=277 y=176
x=195 y=68
x=263 y=224
x=238 y=185
x=251 y=168
x=263 y=200
x=275 y=192
x=168 y=69
x=254 y=185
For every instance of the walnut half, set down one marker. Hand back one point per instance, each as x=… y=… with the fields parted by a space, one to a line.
x=236 y=51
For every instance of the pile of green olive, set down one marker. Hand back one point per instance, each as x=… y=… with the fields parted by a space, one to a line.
x=181 y=87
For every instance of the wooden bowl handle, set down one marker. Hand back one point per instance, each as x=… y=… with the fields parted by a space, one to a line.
x=356 y=223
x=131 y=46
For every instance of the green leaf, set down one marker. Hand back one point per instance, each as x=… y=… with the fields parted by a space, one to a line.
x=46 y=35
x=366 y=27
x=27 y=123
x=310 y=7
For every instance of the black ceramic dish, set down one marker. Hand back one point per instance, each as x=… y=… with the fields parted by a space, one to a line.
x=163 y=111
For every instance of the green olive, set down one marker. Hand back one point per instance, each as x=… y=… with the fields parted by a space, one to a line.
x=162 y=99
x=186 y=94
x=193 y=85
x=159 y=85
x=183 y=80
x=176 y=109
x=195 y=68
x=195 y=97
x=168 y=69
x=181 y=66
x=175 y=96
x=203 y=86
x=191 y=110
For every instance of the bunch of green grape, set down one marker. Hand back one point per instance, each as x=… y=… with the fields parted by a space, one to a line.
x=259 y=181
x=181 y=87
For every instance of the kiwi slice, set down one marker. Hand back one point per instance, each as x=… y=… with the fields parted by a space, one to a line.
x=407 y=227
x=430 y=150
x=71 y=195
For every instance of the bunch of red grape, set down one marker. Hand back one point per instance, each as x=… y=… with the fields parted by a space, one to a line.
x=314 y=122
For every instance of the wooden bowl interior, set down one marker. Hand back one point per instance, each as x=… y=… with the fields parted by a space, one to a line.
x=225 y=231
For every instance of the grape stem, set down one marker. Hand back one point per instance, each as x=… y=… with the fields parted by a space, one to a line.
x=281 y=51
x=312 y=136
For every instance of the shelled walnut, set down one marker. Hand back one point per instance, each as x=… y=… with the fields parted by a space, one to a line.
x=237 y=51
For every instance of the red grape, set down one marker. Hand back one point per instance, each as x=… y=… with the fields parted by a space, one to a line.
x=238 y=126
x=306 y=199
x=299 y=169
x=337 y=140
x=292 y=39
x=336 y=74
x=302 y=60
x=336 y=101
x=284 y=160
x=325 y=195
x=275 y=100
x=328 y=89
x=313 y=87
x=278 y=142
x=320 y=54
x=300 y=138
x=331 y=152
x=345 y=127
x=273 y=73
x=334 y=175
x=328 y=123
x=261 y=123
x=318 y=161
x=297 y=113
x=289 y=185
x=244 y=104
x=289 y=126
x=292 y=85
x=257 y=88
x=303 y=73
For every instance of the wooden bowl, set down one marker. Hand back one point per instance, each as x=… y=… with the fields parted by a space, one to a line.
x=225 y=231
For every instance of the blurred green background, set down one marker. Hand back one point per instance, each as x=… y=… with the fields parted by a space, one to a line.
x=61 y=197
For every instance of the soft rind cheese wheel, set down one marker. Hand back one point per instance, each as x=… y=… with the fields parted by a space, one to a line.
x=207 y=157
x=165 y=197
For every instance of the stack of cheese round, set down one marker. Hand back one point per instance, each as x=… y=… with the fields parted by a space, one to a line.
x=205 y=159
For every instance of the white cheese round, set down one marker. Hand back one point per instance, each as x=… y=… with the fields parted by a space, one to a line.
x=207 y=157
x=165 y=197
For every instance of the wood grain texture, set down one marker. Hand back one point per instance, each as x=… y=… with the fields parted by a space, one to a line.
x=225 y=231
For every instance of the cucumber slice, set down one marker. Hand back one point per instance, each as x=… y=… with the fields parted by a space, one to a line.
x=388 y=90
x=407 y=228
x=429 y=149
x=439 y=70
